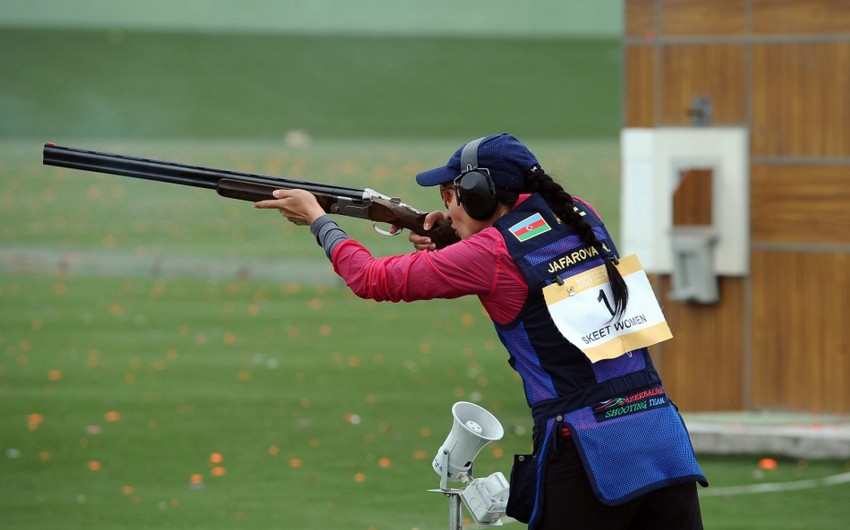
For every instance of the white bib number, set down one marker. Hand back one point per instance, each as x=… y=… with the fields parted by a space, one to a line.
x=583 y=310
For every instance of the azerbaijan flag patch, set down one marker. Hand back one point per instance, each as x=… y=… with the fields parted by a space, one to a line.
x=530 y=227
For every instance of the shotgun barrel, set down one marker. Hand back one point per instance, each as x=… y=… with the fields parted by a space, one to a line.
x=352 y=202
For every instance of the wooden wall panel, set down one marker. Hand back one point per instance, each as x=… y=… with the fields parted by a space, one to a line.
x=640 y=86
x=688 y=18
x=800 y=204
x=702 y=366
x=801 y=106
x=715 y=71
x=781 y=68
x=798 y=16
x=640 y=19
x=693 y=200
x=801 y=340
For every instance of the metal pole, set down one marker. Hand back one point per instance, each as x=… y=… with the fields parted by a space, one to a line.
x=455 y=512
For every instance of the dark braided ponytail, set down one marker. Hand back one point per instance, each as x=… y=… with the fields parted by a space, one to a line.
x=562 y=205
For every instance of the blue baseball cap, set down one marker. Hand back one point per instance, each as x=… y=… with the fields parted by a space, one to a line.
x=508 y=160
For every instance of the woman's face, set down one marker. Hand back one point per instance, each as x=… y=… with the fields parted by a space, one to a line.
x=463 y=224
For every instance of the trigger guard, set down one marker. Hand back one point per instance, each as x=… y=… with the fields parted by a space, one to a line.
x=384 y=232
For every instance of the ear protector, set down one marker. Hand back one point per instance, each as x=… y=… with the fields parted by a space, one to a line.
x=474 y=187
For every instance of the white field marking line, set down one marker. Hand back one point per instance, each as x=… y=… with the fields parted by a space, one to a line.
x=774 y=487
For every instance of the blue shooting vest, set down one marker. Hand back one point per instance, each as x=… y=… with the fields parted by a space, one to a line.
x=630 y=437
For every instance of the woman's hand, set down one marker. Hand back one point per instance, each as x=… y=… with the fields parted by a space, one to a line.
x=424 y=242
x=298 y=206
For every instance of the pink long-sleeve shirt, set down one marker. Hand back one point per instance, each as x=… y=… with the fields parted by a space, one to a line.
x=479 y=265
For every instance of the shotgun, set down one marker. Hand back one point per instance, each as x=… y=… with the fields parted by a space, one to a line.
x=352 y=202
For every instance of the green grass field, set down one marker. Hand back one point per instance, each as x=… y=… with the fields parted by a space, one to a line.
x=134 y=400
x=324 y=415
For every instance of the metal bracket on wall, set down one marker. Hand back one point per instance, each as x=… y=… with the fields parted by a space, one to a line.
x=700 y=111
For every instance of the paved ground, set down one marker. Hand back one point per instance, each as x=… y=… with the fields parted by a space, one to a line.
x=796 y=435
x=103 y=263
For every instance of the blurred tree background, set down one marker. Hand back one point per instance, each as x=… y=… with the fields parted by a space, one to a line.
x=376 y=69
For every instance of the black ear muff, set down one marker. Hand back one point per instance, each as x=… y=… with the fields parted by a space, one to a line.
x=475 y=189
x=476 y=194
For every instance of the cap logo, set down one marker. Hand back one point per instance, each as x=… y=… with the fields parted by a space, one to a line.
x=530 y=227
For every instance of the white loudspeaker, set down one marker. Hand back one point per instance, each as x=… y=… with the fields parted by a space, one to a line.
x=472 y=429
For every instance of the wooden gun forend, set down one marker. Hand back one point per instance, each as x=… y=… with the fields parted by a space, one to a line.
x=377 y=209
x=251 y=191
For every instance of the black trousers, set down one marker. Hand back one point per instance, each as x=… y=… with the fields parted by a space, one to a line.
x=570 y=504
